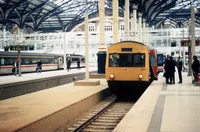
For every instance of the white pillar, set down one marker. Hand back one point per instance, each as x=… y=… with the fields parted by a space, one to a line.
x=135 y=22
x=193 y=33
x=183 y=48
x=132 y=28
x=144 y=32
x=86 y=49
x=65 y=52
x=102 y=46
x=193 y=30
x=4 y=36
x=147 y=34
x=140 y=27
x=115 y=21
x=126 y=20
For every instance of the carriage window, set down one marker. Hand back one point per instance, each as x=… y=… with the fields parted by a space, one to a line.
x=26 y=61
x=55 y=61
x=127 y=60
x=2 y=61
x=83 y=60
x=34 y=61
x=9 y=61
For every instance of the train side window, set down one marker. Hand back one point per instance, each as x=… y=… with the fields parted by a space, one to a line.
x=34 y=61
x=9 y=61
x=55 y=61
x=2 y=61
x=26 y=61
x=83 y=60
x=152 y=59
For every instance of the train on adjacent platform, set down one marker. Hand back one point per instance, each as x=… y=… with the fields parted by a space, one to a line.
x=131 y=64
x=29 y=61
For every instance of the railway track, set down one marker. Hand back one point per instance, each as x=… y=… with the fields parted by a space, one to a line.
x=103 y=118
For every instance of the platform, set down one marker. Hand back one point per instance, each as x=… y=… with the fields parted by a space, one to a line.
x=165 y=108
x=31 y=76
x=47 y=109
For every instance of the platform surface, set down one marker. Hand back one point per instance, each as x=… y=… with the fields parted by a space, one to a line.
x=31 y=76
x=165 y=108
x=22 y=110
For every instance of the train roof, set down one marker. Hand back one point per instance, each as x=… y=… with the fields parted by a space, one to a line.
x=7 y=53
x=14 y=53
x=150 y=48
x=130 y=41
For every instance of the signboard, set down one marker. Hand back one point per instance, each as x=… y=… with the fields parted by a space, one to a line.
x=189 y=43
x=18 y=47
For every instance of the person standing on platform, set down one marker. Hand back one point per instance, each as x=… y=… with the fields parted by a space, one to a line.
x=166 y=67
x=78 y=64
x=179 y=66
x=39 y=66
x=172 y=65
x=195 y=68
x=68 y=65
x=14 y=68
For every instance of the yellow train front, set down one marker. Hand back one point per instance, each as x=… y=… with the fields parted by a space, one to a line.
x=129 y=66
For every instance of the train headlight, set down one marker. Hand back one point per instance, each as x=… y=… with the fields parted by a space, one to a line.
x=140 y=76
x=111 y=76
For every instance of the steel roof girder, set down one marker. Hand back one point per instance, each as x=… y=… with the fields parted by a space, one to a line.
x=162 y=10
x=29 y=13
x=152 y=5
x=12 y=8
x=58 y=13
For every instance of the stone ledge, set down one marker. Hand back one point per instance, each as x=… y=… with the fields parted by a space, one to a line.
x=86 y=83
x=96 y=75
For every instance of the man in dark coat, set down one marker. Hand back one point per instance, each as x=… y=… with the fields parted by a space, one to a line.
x=166 y=67
x=179 y=67
x=68 y=65
x=195 y=67
x=172 y=65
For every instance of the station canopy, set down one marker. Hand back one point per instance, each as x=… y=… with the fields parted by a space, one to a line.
x=64 y=15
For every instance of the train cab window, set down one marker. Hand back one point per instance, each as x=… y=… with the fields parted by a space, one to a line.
x=126 y=60
x=139 y=60
x=114 y=60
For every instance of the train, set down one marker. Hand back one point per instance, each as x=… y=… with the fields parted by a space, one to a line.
x=130 y=63
x=161 y=61
x=29 y=61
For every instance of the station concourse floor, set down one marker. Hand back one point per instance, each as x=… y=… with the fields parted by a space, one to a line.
x=165 y=108
x=21 y=111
